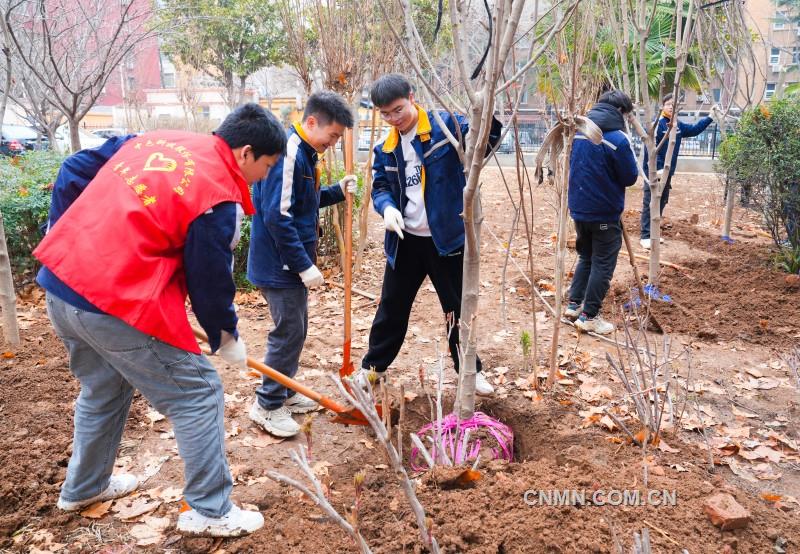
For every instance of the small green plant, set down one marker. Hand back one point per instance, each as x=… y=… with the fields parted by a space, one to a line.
x=788 y=259
x=525 y=342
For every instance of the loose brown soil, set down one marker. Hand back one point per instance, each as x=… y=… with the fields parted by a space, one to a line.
x=555 y=447
x=730 y=291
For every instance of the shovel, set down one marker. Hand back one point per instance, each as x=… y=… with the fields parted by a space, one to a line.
x=347 y=363
x=344 y=415
x=632 y=258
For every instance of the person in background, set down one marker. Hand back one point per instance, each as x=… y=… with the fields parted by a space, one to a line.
x=598 y=177
x=685 y=130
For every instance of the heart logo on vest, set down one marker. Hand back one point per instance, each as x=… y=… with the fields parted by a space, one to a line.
x=158 y=162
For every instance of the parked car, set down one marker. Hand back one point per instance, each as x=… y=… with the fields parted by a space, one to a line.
x=15 y=139
x=64 y=143
x=109 y=132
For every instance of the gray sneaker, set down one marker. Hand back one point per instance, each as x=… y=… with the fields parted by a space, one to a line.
x=275 y=422
x=299 y=404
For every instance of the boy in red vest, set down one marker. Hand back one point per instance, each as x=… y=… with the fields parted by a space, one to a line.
x=135 y=226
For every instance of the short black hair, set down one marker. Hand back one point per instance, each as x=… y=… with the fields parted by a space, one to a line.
x=389 y=88
x=329 y=107
x=618 y=99
x=667 y=98
x=251 y=124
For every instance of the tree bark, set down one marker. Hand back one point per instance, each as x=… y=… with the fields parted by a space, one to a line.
x=8 y=299
x=74 y=135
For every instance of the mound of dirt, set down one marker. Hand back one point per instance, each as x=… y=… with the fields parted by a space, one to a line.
x=731 y=292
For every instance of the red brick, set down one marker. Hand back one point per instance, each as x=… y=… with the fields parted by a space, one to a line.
x=724 y=512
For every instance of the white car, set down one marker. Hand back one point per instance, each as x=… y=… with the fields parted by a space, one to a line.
x=64 y=143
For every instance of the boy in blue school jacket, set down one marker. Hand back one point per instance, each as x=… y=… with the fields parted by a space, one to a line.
x=417 y=187
x=685 y=130
x=598 y=176
x=283 y=250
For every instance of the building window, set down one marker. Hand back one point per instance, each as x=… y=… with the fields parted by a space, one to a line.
x=168 y=80
x=717 y=93
x=774 y=56
x=204 y=112
x=796 y=55
x=769 y=92
x=131 y=83
x=781 y=22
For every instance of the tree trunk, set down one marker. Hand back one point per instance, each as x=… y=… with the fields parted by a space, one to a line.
x=8 y=299
x=74 y=136
x=366 y=197
x=561 y=252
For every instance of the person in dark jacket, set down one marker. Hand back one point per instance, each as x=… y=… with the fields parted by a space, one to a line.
x=418 y=184
x=283 y=251
x=685 y=130
x=598 y=176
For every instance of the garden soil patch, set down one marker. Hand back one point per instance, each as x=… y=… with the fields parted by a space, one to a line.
x=729 y=292
x=555 y=447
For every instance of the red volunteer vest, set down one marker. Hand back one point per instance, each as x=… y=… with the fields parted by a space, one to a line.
x=120 y=245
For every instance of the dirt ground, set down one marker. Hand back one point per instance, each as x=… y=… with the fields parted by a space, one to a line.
x=731 y=315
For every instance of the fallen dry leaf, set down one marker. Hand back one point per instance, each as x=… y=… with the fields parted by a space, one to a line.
x=97 y=510
x=154 y=416
x=150 y=532
x=234 y=430
x=132 y=508
x=381 y=466
x=761 y=453
x=367 y=444
x=743 y=413
x=8 y=355
x=765 y=472
x=153 y=466
x=771 y=497
x=321 y=468
x=261 y=441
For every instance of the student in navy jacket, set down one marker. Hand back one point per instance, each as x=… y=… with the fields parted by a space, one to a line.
x=283 y=250
x=685 y=130
x=418 y=184
x=598 y=176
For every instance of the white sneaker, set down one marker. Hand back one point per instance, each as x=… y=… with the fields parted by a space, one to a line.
x=235 y=523
x=275 y=422
x=118 y=486
x=299 y=404
x=573 y=310
x=645 y=243
x=594 y=325
x=482 y=386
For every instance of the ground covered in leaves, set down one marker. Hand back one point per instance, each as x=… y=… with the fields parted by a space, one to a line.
x=734 y=425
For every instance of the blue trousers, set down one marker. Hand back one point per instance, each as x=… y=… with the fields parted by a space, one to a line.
x=645 y=222
x=289 y=311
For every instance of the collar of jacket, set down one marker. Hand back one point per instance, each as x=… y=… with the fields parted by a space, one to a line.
x=298 y=128
x=423 y=131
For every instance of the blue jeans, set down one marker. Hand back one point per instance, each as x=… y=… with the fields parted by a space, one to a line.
x=289 y=311
x=598 y=246
x=645 y=222
x=111 y=359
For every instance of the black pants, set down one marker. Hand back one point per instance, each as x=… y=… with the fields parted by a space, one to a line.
x=645 y=221
x=598 y=245
x=417 y=257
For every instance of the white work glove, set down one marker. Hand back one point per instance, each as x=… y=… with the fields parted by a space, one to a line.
x=232 y=350
x=716 y=113
x=312 y=277
x=349 y=183
x=393 y=220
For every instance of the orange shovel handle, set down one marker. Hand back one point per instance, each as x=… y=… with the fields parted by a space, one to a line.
x=287 y=382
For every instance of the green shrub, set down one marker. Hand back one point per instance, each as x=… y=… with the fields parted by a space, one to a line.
x=763 y=157
x=788 y=259
x=26 y=183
